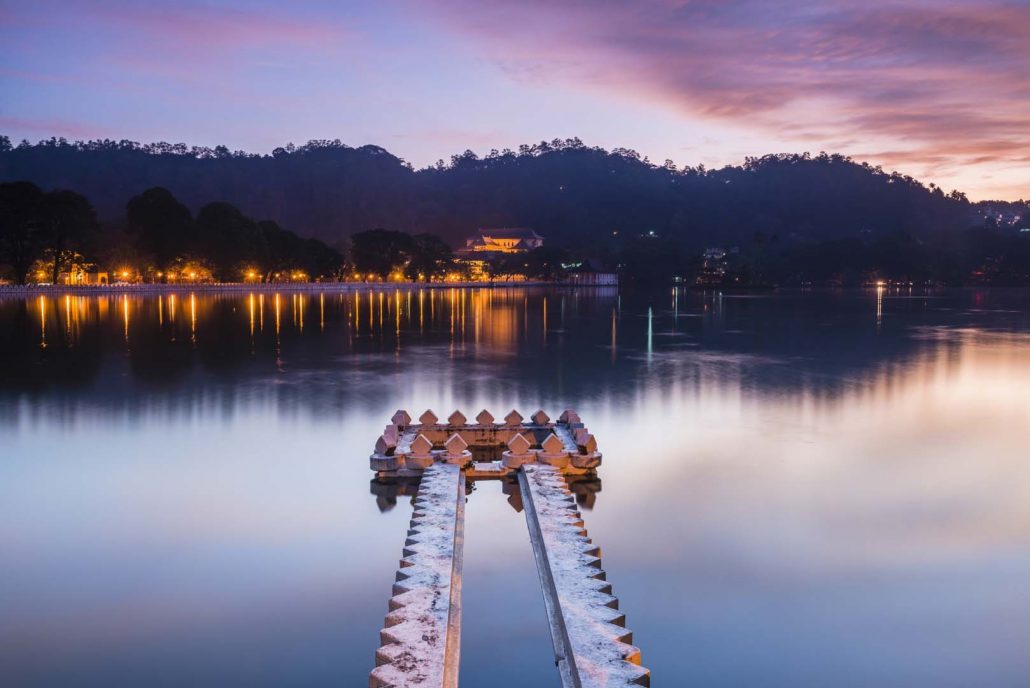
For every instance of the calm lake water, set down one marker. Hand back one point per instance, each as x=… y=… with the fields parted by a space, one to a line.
x=801 y=489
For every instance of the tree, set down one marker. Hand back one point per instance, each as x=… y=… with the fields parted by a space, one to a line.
x=163 y=227
x=20 y=229
x=319 y=260
x=430 y=257
x=546 y=262
x=229 y=240
x=68 y=223
x=283 y=249
x=380 y=251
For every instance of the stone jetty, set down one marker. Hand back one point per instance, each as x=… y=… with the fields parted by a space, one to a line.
x=543 y=463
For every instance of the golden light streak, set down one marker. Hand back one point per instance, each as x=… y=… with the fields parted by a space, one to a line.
x=42 y=322
x=125 y=315
x=357 y=312
x=193 y=317
x=397 y=315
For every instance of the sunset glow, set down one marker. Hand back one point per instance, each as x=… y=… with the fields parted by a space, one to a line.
x=932 y=89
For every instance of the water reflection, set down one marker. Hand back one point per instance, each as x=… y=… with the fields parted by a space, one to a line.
x=824 y=488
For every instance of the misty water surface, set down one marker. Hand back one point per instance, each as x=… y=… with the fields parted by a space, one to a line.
x=800 y=489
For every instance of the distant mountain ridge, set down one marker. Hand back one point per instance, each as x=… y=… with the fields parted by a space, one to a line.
x=568 y=192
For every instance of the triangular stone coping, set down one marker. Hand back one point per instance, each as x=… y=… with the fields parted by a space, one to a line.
x=456 y=444
x=457 y=418
x=519 y=444
x=421 y=445
x=485 y=418
x=428 y=418
x=513 y=418
x=541 y=418
x=589 y=444
x=552 y=444
x=401 y=418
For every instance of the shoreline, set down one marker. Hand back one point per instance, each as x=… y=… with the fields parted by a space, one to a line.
x=269 y=287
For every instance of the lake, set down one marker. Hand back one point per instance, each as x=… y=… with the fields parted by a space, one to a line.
x=826 y=488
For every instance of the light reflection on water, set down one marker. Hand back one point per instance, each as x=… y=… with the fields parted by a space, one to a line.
x=799 y=489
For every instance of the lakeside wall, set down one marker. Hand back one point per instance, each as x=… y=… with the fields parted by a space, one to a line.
x=258 y=287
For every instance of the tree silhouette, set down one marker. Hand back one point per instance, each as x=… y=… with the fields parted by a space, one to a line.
x=380 y=251
x=20 y=227
x=430 y=257
x=68 y=222
x=163 y=227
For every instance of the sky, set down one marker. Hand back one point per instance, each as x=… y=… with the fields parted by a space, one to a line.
x=938 y=89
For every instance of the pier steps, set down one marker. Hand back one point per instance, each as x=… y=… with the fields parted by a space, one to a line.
x=591 y=644
x=420 y=643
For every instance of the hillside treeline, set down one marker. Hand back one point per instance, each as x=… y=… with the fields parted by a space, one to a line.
x=794 y=218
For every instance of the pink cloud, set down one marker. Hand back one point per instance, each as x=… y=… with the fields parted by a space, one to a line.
x=948 y=79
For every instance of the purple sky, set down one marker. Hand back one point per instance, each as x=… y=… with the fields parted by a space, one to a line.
x=939 y=89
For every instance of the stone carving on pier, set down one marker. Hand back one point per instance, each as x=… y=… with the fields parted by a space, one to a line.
x=457 y=450
x=518 y=452
x=421 y=455
x=513 y=419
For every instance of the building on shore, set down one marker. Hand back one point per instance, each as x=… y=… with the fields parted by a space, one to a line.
x=488 y=246
x=83 y=277
x=501 y=241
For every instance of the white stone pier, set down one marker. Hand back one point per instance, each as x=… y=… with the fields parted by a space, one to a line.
x=591 y=644
x=420 y=645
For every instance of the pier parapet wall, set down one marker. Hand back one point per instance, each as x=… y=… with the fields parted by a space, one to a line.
x=485 y=447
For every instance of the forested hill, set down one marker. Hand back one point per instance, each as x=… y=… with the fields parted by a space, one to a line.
x=569 y=192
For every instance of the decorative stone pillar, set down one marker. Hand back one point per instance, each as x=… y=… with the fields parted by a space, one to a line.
x=553 y=452
x=518 y=452
x=457 y=450
x=421 y=454
x=401 y=419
